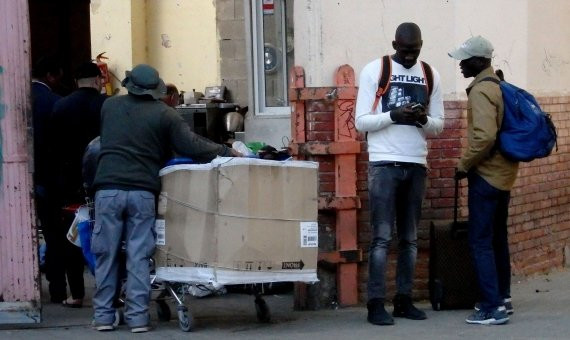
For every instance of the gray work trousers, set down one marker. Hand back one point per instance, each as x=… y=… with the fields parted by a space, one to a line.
x=129 y=216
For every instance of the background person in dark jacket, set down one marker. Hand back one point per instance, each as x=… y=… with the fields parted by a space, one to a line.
x=76 y=120
x=46 y=75
x=139 y=133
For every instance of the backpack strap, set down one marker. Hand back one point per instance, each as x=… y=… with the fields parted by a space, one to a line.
x=495 y=147
x=383 y=81
x=428 y=74
x=494 y=80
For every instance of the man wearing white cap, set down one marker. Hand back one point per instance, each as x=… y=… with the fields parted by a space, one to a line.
x=491 y=177
x=139 y=133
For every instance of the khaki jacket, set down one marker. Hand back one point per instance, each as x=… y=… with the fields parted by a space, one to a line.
x=484 y=115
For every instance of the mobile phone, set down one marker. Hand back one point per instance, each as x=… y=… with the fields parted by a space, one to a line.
x=417 y=106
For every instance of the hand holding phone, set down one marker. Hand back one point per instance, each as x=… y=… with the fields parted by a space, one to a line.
x=420 y=111
x=418 y=107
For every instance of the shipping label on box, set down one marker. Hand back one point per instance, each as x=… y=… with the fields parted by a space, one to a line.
x=309 y=234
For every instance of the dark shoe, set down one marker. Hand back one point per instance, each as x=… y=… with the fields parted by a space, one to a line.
x=509 y=306
x=497 y=317
x=403 y=308
x=377 y=314
x=508 y=303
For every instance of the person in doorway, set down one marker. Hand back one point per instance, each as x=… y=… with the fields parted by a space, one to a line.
x=46 y=75
x=397 y=148
x=490 y=179
x=172 y=97
x=75 y=121
x=138 y=133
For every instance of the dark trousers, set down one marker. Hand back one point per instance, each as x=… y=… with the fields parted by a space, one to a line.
x=63 y=259
x=488 y=213
x=396 y=194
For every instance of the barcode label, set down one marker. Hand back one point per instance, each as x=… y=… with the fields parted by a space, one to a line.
x=162 y=201
x=160 y=230
x=309 y=234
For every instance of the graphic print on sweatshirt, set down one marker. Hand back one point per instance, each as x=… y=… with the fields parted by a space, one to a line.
x=404 y=89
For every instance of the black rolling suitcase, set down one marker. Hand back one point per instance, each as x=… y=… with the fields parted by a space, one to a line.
x=452 y=278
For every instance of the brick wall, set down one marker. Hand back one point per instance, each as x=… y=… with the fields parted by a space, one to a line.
x=539 y=222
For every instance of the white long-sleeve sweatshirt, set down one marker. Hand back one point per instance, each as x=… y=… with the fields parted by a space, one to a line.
x=387 y=140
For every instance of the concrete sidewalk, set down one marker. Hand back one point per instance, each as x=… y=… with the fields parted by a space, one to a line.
x=542 y=311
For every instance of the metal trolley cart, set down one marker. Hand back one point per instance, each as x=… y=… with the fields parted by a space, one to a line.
x=178 y=282
x=235 y=221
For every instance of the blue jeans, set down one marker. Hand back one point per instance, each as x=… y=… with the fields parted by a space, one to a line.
x=396 y=194
x=488 y=212
x=119 y=215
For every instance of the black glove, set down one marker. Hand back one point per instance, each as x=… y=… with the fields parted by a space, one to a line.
x=460 y=175
x=404 y=114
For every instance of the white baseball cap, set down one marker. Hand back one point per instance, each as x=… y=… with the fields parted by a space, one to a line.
x=473 y=47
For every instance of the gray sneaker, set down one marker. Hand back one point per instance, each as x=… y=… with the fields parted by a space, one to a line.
x=507 y=303
x=497 y=317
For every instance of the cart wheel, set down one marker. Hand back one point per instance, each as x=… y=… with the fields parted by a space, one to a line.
x=263 y=314
x=162 y=310
x=185 y=320
x=119 y=317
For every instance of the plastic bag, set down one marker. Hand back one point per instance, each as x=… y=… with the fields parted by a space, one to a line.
x=85 y=229
x=81 y=214
x=241 y=147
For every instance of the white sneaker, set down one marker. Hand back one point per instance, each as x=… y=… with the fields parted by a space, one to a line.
x=102 y=327
x=141 y=329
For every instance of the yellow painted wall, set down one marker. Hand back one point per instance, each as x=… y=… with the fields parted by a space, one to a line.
x=177 y=37
x=182 y=42
x=111 y=33
x=138 y=31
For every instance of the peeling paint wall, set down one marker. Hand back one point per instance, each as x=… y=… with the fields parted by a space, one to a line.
x=531 y=44
x=177 y=37
x=2 y=113
x=19 y=274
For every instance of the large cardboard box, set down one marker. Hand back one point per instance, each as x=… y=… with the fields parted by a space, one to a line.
x=244 y=215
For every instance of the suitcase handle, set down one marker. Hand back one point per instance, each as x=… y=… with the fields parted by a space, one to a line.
x=456 y=232
x=456 y=199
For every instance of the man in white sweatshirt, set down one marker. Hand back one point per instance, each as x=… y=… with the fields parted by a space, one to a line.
x=397 y=123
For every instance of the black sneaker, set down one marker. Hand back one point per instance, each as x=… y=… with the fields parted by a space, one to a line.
x=403 y=308
x=497 y=317
x=509 y=306
x=377 y=314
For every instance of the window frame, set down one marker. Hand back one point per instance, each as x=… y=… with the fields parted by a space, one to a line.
x=257 y=62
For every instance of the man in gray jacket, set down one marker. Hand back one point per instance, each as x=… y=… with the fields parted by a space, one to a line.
x=139 y=133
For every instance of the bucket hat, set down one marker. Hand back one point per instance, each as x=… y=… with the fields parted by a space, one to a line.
x=142 y=80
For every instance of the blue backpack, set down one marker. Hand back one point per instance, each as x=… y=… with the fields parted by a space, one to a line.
x=526 y=132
